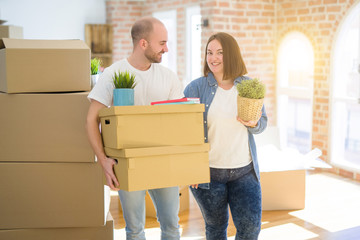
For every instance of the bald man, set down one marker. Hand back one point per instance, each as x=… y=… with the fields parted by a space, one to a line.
x=154 y=82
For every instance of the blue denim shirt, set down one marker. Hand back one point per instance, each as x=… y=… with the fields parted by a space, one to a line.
x=205 y=89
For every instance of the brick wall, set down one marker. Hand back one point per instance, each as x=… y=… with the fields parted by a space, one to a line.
x=319 y=21
x=258 y=26
x=122 y=15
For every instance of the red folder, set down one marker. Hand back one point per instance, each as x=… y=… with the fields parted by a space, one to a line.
x=177 y=101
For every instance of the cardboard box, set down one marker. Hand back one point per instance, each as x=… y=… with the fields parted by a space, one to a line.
x=28 y=66
x=159 y=167
x=283 y=190
x=282 y=177
x=10 y=31
x=283 y=171
x=89 y=233
x=183 y=198
x=51 y=195
x=44 y=127
x=152 y=126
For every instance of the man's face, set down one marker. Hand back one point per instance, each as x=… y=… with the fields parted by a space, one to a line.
x=157 y=44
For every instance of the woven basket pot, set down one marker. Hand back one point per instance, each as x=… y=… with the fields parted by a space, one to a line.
x=248 y=108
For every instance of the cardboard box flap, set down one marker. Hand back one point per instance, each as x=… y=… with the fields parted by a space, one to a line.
x=271 y=159
x=155 y=109
x=12 y=43
x=153 y=151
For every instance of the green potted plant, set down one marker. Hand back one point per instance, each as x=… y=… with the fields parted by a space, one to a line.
x=250 y=99
x=124 y=83
x=95 y=70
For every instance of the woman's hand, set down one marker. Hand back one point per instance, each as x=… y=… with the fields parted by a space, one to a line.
x=251 y=123
x=194 y=186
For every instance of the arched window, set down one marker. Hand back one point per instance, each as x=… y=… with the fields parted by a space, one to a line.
x=345 y=101
x=295 y=69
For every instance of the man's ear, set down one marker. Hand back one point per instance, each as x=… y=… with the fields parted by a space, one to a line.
x=143 y=43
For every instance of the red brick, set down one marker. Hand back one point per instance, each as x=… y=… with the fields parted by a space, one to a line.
x=224 y=4
x=357 y=177
x=345 y=173
x=333 y=9
x=303 y=11
x=252 y=13
x=315 y=2
x=290 y=12
x=255 y=6
x=330 y=1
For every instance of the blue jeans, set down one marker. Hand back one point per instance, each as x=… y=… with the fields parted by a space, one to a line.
x=238 y=188
x=166 y=202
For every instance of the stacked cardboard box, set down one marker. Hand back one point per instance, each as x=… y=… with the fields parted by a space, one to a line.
x=10 y=31
x=156 y=146
x=50 y=184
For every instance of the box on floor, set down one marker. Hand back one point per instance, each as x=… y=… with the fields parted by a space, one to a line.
x=32 y=66
x=283 y=177
x=282 y=172
x=51 y=195
x=10 y=31
x=282 y=180
x=152 y=126
x=89 y=233
x=44 y=127
x=283 y=190
x=159 y=167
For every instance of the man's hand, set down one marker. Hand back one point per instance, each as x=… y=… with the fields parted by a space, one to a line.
x=92 y=127
x=108 y=167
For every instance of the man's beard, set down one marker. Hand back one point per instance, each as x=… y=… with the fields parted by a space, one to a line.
x=152 y=56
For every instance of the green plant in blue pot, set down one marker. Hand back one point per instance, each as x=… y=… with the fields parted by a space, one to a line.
x=124 y=83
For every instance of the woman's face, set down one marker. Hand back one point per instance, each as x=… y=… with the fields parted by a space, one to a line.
x=214 y=57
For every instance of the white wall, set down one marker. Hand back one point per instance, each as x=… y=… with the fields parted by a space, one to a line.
x=53 y=19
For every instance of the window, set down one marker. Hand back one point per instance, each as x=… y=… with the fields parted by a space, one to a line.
x=295 y=69
x=169 y=20
x=193 y=44
x=345 y=103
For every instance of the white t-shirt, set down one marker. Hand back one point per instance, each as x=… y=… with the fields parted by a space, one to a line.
x=228 y=138
x=155 y=84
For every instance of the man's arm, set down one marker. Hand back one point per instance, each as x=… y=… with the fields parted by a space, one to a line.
x=92 y=128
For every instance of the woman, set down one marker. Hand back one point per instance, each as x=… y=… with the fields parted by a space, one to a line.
x=234 y=171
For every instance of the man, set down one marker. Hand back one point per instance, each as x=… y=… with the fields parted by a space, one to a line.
x=153 y=83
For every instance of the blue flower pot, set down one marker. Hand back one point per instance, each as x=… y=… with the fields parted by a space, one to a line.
x=123 y=97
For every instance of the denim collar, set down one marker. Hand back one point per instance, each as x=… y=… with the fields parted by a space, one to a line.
x=212 y=81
